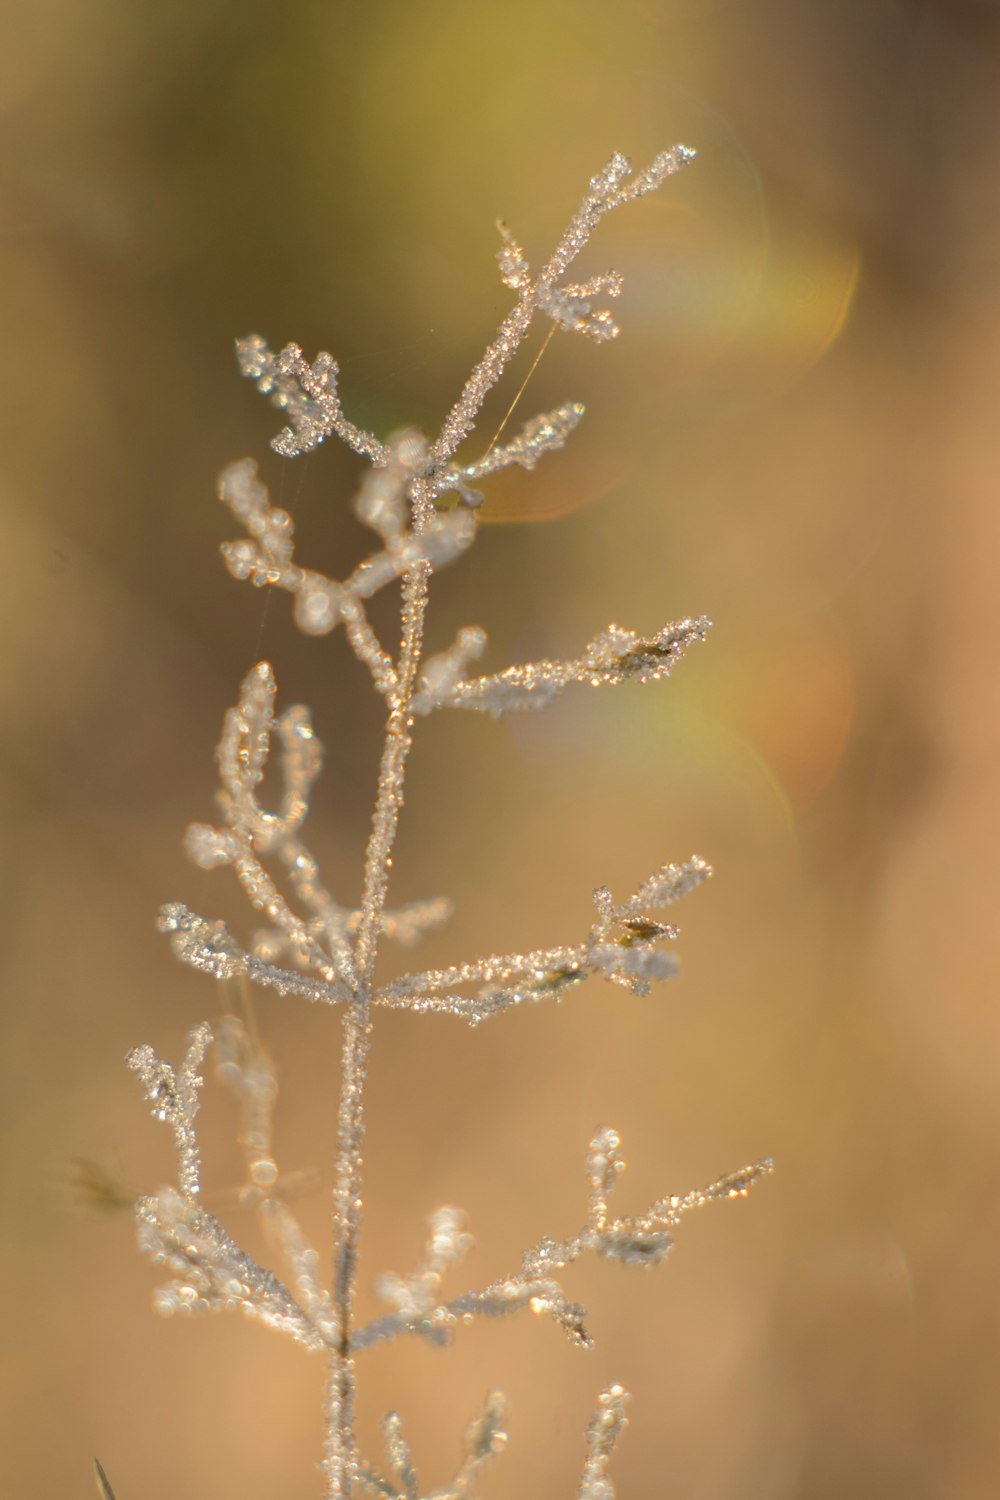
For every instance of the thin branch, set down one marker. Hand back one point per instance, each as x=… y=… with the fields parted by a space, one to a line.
x=266 y=556
x=211 y=1273
x=173 y=1097
x=340 y=1457
x=641 y=1239
x=608 y=190
x=103 y=1483
x=367 y=647
x=605 y=1428
x=208 y=947
x=614 y=657
x=622 y=946
x=308 y=393
x=542 y=434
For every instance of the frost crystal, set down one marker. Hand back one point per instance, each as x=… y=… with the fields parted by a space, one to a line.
x=606 y=1427
x=308 y=393
x=314 y=947
x=173 y=1098
x=608 y=660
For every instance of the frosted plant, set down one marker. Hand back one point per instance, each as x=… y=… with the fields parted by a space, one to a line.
x=420 y=501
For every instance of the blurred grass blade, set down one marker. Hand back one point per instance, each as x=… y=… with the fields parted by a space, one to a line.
x=103 y=1487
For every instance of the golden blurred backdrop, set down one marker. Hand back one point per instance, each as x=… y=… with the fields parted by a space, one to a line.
x=796 y=435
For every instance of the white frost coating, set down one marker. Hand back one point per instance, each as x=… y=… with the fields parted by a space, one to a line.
x=313 y=947
x=307 y=393
x=543 y=434
x=621 y=947
x=639 y=1240
x=614 y=657
x=485 y=1437
x=210 y=1272
x=173 y=1097
x=606 y=1427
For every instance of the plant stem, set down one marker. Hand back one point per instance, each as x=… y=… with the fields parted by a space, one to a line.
x=339 y=1404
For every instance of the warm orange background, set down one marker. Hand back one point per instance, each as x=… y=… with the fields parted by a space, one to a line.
x=796 y=434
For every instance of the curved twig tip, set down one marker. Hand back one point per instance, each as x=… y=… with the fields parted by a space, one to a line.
x=101 y=1480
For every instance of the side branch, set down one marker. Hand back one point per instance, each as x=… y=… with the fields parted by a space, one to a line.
x=642 y=1239
x=209 y=1272
x=266 y=557
x=308 y=394
x=622 y=946
x=485 y=1437
x=569 y=305
x=340 y=1460
x=614 y=657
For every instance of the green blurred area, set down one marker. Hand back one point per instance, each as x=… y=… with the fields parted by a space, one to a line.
x=796 y=435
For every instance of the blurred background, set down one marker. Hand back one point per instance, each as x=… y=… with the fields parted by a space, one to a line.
x=795 y=435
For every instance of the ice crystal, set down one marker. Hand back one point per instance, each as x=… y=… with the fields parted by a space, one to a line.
x=173 y=1098
x=606 y=1427
x=308 y=393
x=317 y=948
